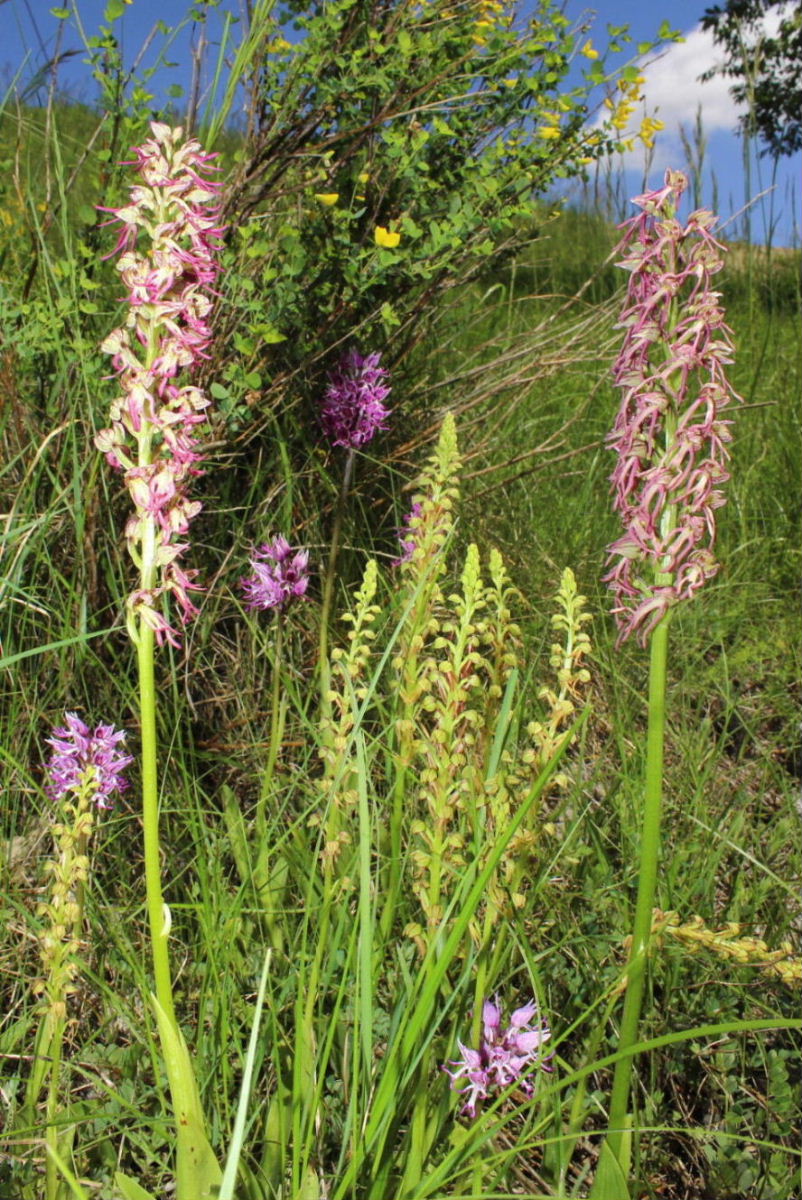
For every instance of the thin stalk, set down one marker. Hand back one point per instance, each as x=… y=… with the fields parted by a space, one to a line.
x=51 y=1128
x=277 y=715
x=647 y=884
x=158 y=913
x=328 y=586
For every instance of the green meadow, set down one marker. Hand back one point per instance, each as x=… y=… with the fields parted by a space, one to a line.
x=417 y=789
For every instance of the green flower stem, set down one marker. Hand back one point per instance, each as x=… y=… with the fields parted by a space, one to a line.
x=490 y=924
x=277 y=716
x=52 y=1181
x=647 y=884
x=157 y=911
x=328 y=588
x=144 y=637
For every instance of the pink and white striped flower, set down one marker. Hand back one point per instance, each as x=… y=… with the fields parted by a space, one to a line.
x=152 y=437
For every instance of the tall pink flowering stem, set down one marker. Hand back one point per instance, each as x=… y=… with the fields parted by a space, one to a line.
x=670 y=440
x=174 y=210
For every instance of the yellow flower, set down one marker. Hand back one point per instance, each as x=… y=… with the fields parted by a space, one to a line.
x=327 y=198
x=549 y=131
x=363 y=177
x=386 y=237
x=589 y=51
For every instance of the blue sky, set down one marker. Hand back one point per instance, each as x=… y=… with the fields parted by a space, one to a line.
x=673 y=92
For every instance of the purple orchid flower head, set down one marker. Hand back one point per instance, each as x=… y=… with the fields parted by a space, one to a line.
x=86 y=759
x=353 y=405
x=505 y=1056
x=670 y=437
x=280 y=575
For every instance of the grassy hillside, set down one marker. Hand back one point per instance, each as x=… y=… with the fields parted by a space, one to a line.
x=279 y=808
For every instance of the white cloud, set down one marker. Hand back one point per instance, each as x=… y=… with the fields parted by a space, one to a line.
x=673 y=91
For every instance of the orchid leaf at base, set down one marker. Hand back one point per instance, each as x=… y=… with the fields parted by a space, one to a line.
x=198 y=1173
x=129 y=1189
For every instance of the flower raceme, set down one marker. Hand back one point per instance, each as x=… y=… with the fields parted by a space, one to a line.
x=669 y=435
x=353 y=406
x=84 y=759
x=502 y=1058
x=280 y=575
x=152 y=437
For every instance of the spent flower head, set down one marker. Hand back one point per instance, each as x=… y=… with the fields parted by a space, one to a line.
x=280 y=575
x=86 y=759
x=174 y=209
x=353 y=405
x=669 y=435
x=504 y=1055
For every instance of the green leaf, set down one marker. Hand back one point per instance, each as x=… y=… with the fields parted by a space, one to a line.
x=198 y=1173
x=129 y=1189
x=60 y=14
x=631 y=74
x=310 y=1187
x=389 y=315
x=78 y=1192
x=253 y=379
x=114 y=10
x=235 y=828
x=611 y=1180
x=269 y=334
x=219 y=392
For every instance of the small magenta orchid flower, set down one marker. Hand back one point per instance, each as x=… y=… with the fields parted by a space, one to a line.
x=670 y=436
x=503 y=1057
x=280 y=575
x=353 y=406
x=85 y=760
